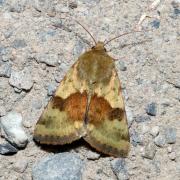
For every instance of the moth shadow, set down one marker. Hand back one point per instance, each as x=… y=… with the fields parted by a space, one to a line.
x=76 y=146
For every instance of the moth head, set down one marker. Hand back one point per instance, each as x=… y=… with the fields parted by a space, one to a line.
x=99 y=46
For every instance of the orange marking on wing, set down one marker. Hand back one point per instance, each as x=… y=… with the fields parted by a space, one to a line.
x=100 y=109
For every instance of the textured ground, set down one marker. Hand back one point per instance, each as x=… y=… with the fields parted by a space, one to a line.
x=36 y=54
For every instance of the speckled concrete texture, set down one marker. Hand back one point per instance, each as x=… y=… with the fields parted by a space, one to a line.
x=35 y=55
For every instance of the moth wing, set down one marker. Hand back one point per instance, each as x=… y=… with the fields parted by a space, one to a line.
x=62 y=120
x=107 y=129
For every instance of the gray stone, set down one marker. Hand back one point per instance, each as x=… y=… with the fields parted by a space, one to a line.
x=155 y=23
x=19 y=43
x=21 y=79
x=136 y=138
x=151 y=109
x=7 y=149
x=149 y=151
x=49 y=59
x=51 y=89
x=170 y=134
x=62 y=166
x=155 y=131
x=11 y=124
x=122 y=66
x=142 y=118
x=160 y=140
x=118 y=166
x=5 y=70
x=20 y=165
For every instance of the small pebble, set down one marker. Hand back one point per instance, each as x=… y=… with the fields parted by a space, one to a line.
x=169 y=149
x=170 y=134
x=136 y=138
x=149 y=151
x=21 y=79
x=119 y=168
x=92 y=155
x=160 y=140
x=7 y=149
x=11 y=124
x=48 y=59
x=172 y=156
x=122 y=66
x=151 y=109
x=66 y=166
x=130 y=118
x=20 y=165
x=155 y=24
x=17 y=90
x=51 y=89
x=27 y=124
x=155 y=131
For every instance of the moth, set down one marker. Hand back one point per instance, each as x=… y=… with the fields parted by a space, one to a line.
x=87 y=104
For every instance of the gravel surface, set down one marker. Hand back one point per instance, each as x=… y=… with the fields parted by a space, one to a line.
x=35 y=55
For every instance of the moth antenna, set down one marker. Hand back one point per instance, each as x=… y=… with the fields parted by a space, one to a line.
x=86 y=31
x=105 y=43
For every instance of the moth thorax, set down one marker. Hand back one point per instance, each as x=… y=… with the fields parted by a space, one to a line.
x=99 y=46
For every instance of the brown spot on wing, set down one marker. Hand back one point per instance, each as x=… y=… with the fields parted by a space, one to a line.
x=100 y=109
x=58 y=102
x=74 y=105
x=116 y=113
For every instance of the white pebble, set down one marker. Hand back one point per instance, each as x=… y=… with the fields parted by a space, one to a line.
x=155 y=131
x=11 y=124
x=169 y=149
